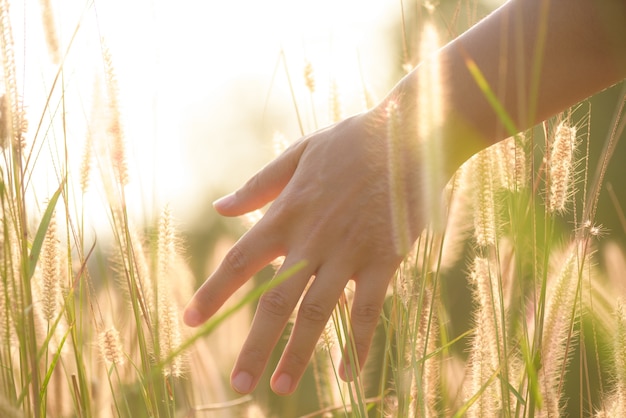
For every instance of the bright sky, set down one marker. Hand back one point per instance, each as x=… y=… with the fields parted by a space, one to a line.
x=200 y=94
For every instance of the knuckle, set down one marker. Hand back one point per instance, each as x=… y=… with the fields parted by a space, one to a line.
x=206 y=298
x=295 y=361
x=362 y=348
x=313 y=312
x=252 y=184
x=275 y=303
x=235 y=261
x=253 y=354
x=259 y=181
x=285 y=208
x=366 y=314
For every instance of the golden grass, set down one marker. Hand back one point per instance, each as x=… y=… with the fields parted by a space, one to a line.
x=91 y=328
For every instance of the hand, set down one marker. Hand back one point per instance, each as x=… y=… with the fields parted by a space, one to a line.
x=331 y=208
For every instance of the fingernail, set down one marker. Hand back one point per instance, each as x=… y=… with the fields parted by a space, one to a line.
x=224 y=201
x=282 y=386
x=191 y=317
x=242 y=382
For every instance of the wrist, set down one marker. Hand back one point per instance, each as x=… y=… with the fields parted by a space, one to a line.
x=436 y=118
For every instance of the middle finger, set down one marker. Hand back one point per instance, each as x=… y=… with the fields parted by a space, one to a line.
x=273 y=312
x=313 y=314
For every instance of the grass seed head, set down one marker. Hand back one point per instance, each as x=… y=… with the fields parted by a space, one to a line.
x=111 y=347
x=487 y=343
x=169 y=318
x=50 y=273
x=557 y=334
x=170 y=337
x=561 y=167
x=14 y=123
x=50 y=31
x=114 y=129
x=309 y=77
x=619 y=354
x=510 y=166
x=485 y=222
x=336 y=108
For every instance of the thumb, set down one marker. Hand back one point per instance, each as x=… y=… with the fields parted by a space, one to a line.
x=264 y=186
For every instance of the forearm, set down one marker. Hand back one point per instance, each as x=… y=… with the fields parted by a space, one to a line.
x=538 y=57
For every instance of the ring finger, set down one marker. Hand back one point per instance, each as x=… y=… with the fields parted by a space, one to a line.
x=313 y=314
x=273 y=312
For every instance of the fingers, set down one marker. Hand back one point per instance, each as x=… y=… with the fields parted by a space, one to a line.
x=264 y=186
x=255 y=249
x=369 y=296
x=251 y=253
x=313 y=314
x=317 y=305
x=273 y=312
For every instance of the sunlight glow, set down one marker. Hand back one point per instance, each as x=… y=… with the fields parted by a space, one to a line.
x=201 y=90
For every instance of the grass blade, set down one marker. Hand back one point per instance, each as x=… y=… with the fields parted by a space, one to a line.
x=41 y=230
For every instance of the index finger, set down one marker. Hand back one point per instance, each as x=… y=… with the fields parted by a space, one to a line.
x=254 y=250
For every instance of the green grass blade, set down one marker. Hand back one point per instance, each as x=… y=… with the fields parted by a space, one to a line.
x=213 y=322
x=463 y=411
x=41 y=230
x=53 y=364
x=484 y=87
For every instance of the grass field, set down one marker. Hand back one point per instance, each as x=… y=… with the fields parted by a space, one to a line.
x=511 y=306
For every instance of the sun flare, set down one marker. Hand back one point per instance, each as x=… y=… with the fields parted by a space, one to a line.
x=200 y=84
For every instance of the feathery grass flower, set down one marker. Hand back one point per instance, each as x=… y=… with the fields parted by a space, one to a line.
x=114 y=129
x=488 y=344
x=511 y=163
x=309 y=77
x=558 y=330
x=561 y=167
x=13 y=122
x=169 y=318
x=619 y=355
x=336 y=108
x=111 y=347
x=485 y=221
x=50 y=273
x=50 y=30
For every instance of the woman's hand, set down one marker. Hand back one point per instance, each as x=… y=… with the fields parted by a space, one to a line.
x=334 y=194
x=331 y=208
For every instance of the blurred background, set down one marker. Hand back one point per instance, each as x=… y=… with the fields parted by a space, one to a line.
x=205 y=86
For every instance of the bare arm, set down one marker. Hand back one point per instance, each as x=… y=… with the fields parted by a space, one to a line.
x=331 y=191
x=538 y=56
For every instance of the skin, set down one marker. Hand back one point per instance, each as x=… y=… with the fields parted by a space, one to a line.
x=330 y=190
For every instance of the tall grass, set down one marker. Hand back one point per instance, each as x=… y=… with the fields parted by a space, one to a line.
x=500 y=309
x=519 y=253
x=90 y=325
